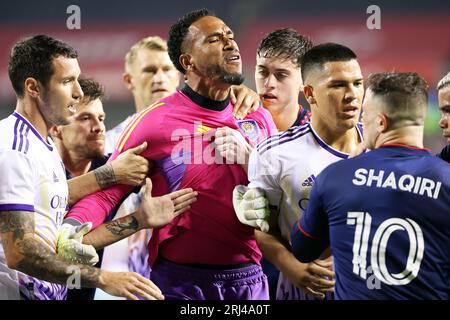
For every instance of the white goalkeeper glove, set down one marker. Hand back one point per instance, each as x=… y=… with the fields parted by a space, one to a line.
x=252 y=207
x=71 y=247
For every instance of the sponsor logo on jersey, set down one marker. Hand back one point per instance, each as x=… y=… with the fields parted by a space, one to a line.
x=309 y=181
x=202 y=128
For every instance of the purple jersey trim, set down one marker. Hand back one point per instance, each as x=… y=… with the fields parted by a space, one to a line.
x=173 y=168
x=327 y=147
x=21 y=136
x=288 y=135
x=16 y=207
x=18 y=116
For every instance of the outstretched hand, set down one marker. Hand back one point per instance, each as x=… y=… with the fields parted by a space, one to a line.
x=156 y=212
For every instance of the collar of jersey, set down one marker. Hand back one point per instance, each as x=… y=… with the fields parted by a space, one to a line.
x=405 y=146
x=204 y=101
x=322 y=143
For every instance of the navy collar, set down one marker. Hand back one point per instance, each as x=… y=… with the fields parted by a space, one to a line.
x=404 y=147
x=204 y=101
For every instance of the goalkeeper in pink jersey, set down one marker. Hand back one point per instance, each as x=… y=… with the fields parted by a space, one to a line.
x=206 y=253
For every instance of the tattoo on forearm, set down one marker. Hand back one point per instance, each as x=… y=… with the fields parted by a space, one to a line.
x=17 y=223
x=41 y=263
x=105 y=176
x=119 y=226
x=37 y=259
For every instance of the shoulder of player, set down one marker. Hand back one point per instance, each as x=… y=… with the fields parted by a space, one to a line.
x=260 y=112
x=145 y=125
x=11 y=159
x=20 y=136
x=445 y=153
x=119 y=128
x=286 y=138
x=261 y=115
x=159 y=107
x=153 y=114
x=440 y=167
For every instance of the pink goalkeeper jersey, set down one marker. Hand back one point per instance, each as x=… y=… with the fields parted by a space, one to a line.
x=179 y=134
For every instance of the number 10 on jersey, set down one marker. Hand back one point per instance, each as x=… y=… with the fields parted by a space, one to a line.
x=363 y=224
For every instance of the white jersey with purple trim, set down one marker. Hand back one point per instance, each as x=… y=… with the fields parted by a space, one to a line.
x=33 y=180
x=285 y=166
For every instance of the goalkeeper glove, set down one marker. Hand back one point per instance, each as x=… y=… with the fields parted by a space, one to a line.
x=70 y=246
x=252 y=207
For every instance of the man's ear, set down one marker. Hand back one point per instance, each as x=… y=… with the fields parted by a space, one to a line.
x=382 y=122
x=186 y=61
x=127 y=80
x=32 y=87
x=308 y=91
x=55 y=132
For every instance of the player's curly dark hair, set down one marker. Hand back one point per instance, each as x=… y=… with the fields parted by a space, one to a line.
x=33 y=57
x=178 y=32
x=92 y=89
x=284 y=43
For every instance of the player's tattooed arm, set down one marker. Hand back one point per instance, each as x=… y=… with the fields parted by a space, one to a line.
x=128 y=168
x=25 y=253
x=88 y=183
x=105 y=176
x=154 y=212
x=112 y=231
x=121 y=226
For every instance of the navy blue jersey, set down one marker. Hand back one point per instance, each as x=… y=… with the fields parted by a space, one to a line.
x=303 y=116
x=386 y=216
x=445 y=153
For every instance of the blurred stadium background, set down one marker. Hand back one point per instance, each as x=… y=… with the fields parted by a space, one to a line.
x=414 y=36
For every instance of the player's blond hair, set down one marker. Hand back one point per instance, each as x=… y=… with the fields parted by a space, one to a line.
x=151 y=43
x=445 y=81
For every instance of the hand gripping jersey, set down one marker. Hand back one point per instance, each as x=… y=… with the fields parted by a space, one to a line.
x=179 y=130
x=33 y=180
x=386 y=215
x=286 y=166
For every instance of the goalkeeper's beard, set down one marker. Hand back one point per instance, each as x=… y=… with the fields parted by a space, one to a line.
x=225 y=76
